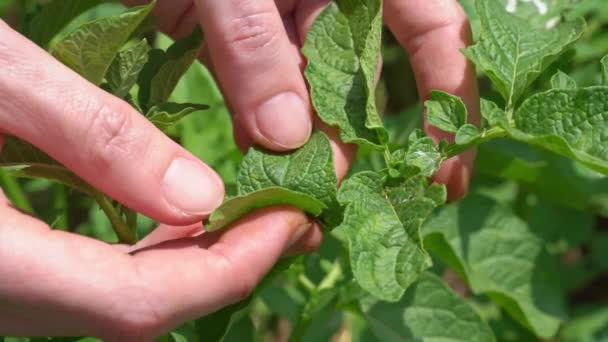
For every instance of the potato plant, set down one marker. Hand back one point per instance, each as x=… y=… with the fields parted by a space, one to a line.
x=399 y=264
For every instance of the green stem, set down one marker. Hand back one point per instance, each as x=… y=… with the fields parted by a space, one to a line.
x=307 y=283
x=387 y=156
x=490 y=134
x=61 y=207
x=329 y=281
x=13 y=191
x=131 y=219
x=334 y=275
x=125 y=235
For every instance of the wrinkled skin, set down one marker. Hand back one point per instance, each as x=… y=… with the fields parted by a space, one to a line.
x=56 y=283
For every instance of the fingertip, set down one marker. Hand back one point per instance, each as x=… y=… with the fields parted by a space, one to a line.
x=283 y=122
x=310 y=241
x=344 y=154
x=192 y=188
x=456 y=174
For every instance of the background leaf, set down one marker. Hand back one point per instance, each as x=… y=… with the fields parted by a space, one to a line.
x=512 y=52
x=429 y=311
x=161 y=75
x=55 y=16
x=499 y=256
x=82 y=52
x=125 y=69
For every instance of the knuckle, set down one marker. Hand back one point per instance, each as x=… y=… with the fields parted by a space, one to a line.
x=110 y=136
x=254 y=32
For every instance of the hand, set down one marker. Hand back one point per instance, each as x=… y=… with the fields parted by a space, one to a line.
x=61 y=284
x=253 y=47
x=55 y=283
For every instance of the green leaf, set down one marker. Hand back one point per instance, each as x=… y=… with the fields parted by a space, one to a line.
x=604 y=79
x=570 y=122
x=561 y=80
x=493 y=115
x=560 y=227
x=16 y=152
x=56 y=174
x=588 y=326
x=214 y=327
x=424 y=155
x=446 y=112
x=343 y=51
x=37 y=164
x=498 y=255
x=512 y=52
x=237 y=207
x=309 y=170
x=54 y=17
x=163 y=71
x=166 y=115
x=125 y=69
x=467 y=134
x=539 y=170
x=91 y=49
x=429 y=311
x=382 y=225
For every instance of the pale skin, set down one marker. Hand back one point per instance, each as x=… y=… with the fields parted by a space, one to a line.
x=57 y=283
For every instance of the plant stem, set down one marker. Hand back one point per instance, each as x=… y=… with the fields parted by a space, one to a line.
x=125 y=235
x=334 y=275
x=387 y=156
x=307 y=283
x=487 y=135
x=61 y=207
x=14 y=192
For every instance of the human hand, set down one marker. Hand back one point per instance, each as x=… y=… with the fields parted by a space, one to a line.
x=56 y=283
x=61 y=284
x=253 y=48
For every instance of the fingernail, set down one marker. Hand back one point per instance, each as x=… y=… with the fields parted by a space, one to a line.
x=192 y=188
x=298 y=233
x=285 y=120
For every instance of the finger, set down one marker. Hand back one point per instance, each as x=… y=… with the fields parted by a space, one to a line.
x=344 y=154
x=433 y=43
x=73 y=285
x=305 y=14
x=237 y=259
x=164 y=233
x=309 y=242
x=99 y=137
x=258 y=69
